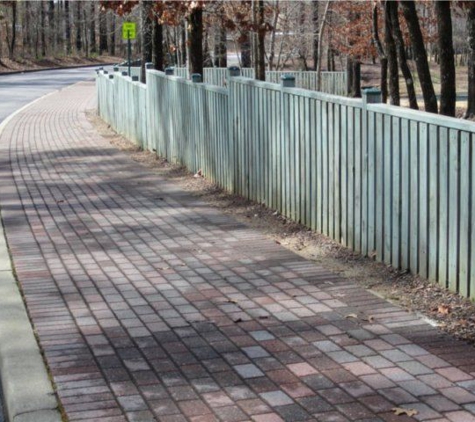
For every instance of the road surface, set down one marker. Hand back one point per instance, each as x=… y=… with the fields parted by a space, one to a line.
x=20 y=89
x=17 y=90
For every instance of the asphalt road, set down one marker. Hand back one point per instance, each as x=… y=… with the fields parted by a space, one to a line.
x=20 y=89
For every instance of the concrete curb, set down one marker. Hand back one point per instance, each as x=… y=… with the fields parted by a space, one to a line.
x=27 y=390
x=16 y=72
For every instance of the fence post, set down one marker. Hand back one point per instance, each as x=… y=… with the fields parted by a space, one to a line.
x=115 y=68
x=234 y=71
x=169 y=71
x=149 y=65
x=196 y=78
x=125 y=74
x=135 y=78
x=372 y=96
x=288 y=81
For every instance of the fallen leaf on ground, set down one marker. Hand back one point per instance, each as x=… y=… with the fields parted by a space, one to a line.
x=399 y=411
x=351 y=316
x=444 y=309
x=199 y=173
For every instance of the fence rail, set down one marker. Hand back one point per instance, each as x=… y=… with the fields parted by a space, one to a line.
x=388 y=182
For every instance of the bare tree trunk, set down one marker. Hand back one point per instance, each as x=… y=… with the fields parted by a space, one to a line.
x=382 y=56
x=43 y=28
x=183 y=49
x=401 y=54
x=196 y=40
x=112 y=35
x=245 y=47
x=11 y=45
x=51 y=27
x=78 y=27
x=273 y=33
x=447 y=63
x=146 y=19
x=220 y=48
x=102 y=31
x=261 y=34
x=157 y=45
x=316 y=34
x=26 y=29
x=92 y=28
x=470 y=113
x=391 y=53
x=420 y=55
x=67 y=27
x=320 y=31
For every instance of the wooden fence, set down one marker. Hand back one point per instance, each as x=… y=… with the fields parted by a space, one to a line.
x=332 y=82
x=385 y=181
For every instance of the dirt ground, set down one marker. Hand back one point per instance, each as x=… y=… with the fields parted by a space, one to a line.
x=8 y=66
x=448 y=311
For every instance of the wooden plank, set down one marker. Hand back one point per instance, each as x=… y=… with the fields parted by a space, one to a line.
x=434 y=182
x=325 y=170
x=381 y=137
x=319 y=159
x=351 y=178
x=443 y=206
x=371 y=185
x=343 y=197
x=414 y=203
x=387 y=205
x=454 y=208
x=359 y=180
x=405 y=194
x=337 y=172
x=396 y=193
x=464 y=198
x=307 y=158
x=423 y=199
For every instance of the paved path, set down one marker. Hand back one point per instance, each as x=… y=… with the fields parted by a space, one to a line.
x=150 y=305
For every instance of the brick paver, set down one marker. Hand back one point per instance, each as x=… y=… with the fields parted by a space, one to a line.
x=150 y=305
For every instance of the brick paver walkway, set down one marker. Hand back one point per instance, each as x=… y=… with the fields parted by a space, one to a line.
x=150 y=305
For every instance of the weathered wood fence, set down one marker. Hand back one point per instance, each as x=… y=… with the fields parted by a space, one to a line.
x=331 y=82
x=385 y=181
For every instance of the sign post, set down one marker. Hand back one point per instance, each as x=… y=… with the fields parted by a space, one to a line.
x=129 y=32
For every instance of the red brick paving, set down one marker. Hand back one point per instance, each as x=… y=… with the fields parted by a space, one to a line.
x=150 y=305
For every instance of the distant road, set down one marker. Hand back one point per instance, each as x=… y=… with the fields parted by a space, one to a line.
x=19 y=89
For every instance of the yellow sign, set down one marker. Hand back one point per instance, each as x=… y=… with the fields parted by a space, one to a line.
x=129 y=31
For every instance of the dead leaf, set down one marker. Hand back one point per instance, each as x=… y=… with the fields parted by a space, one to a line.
x=398 y=411
x=277 y=242
x=444 y=309
x=238 y=320
x=351 y=316
x=232 y=301
x=263 y=317
x=373 y=254
x=60 y=201
x=163 y=268
x=199 y=173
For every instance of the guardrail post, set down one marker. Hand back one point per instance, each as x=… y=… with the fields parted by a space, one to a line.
x=288 y=81
x=169 y=71
x=196 y=77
